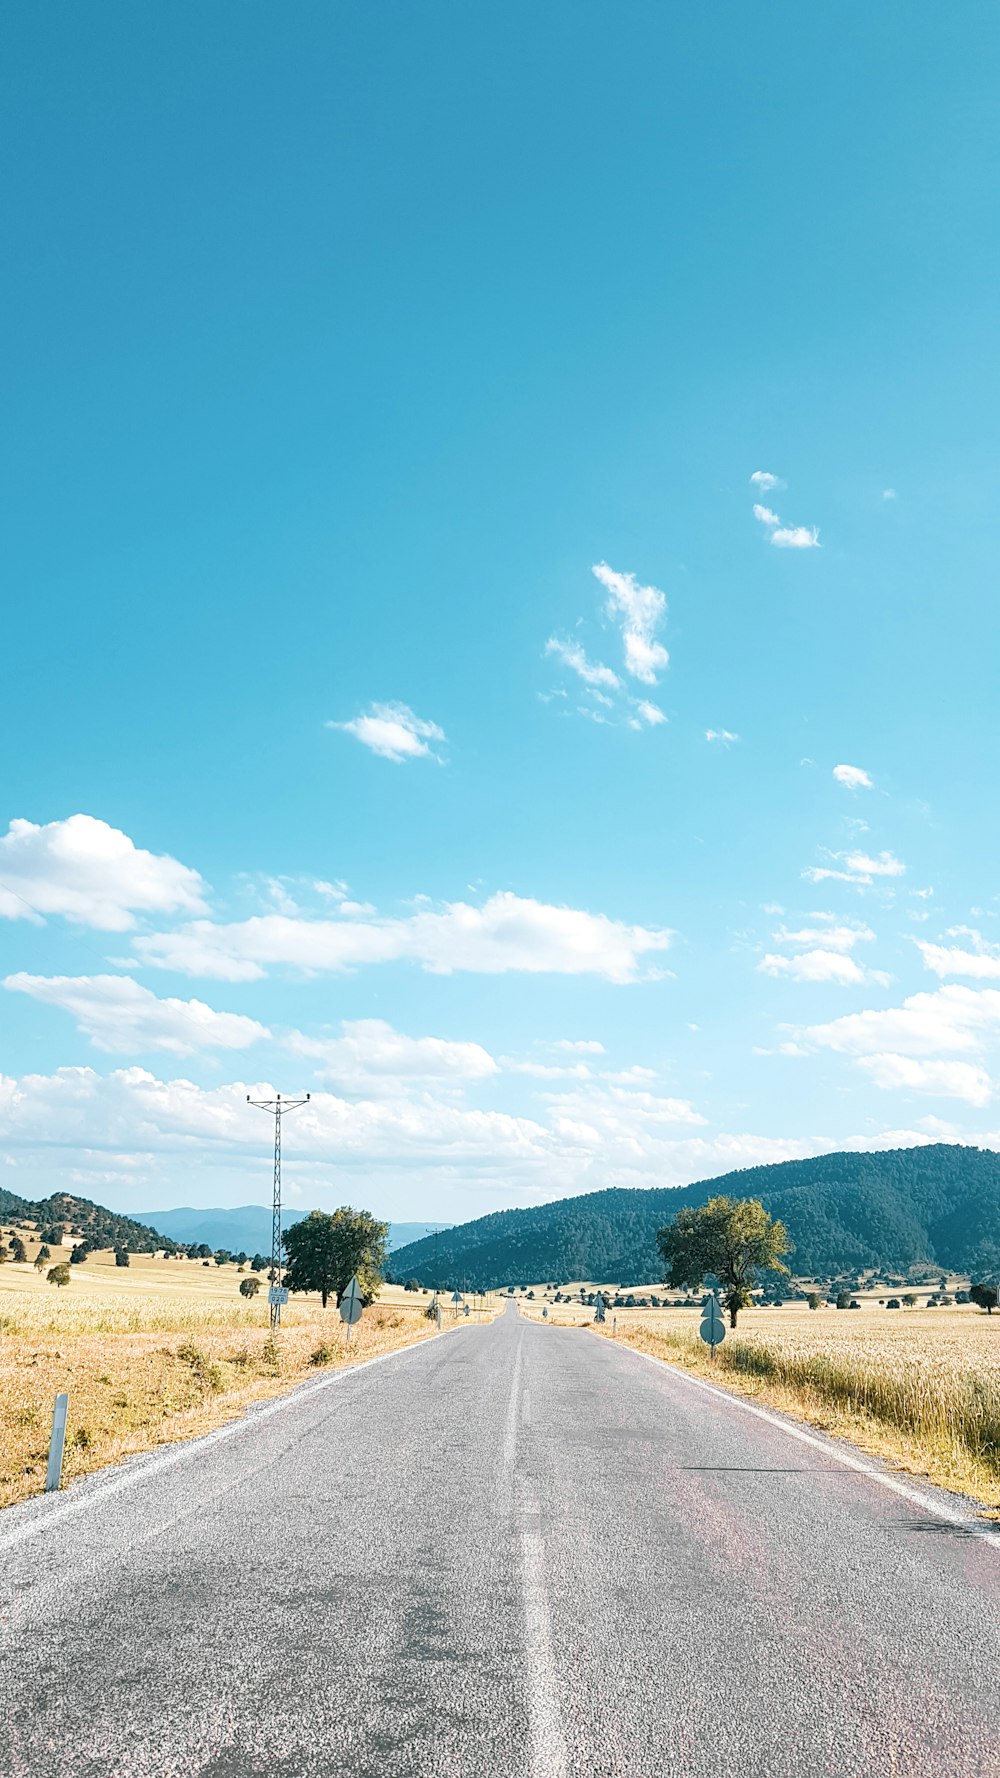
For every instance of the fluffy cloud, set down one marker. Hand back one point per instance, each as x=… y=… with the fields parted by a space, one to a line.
x=125 y=1019
x=587 y=1046
x=950 y=1019
x=852 y=777
x=858 y=868
x=765 y=515
x=508 y=932
x=815 y=966
x=795 y=537
x=369 y=1054
x=135 y=1130
x=90 y=873
x=591 y=672
x=648 y=713
x=764 y=481
x=831 y=935
x=982 y=961
x=640 y=610
x=393 y=732
x=946 y=1080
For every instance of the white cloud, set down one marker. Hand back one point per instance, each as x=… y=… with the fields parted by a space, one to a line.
x=765 y=515
x=859 y=868
x=951 y=1019
x=508 y=932
x=853 y=777
x=795 y=537
x=591 y=672
x=90 y=873
x=393 y=732
x=587 y=1046
x=889 y=494
x=830 y=936
x=725 y=735
x=982 y=961
x=815 y=966
x=641 y=610
x=764 y=481
x=370 y=1053
x=650 y=713
x=946 y=1080
x=124 y=1018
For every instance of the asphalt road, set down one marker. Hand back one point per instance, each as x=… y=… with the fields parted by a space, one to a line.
x=516 y=1549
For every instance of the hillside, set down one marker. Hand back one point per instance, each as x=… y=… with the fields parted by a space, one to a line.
x=939 y=1205
x=247 y=1227
x=102 y=1228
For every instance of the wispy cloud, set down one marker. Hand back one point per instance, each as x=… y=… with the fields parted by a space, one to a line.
x=120 y=1016
x=648 y=713
x=853 y=777
x=724 y=735
x=782 y=536
x=591 y=672
x=858 y=868
x=796 y=537
x=393 y=732
x=889 y=494
x=640 y=611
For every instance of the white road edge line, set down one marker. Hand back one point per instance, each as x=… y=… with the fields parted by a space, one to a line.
x=950 y=1515
x=64 y=1506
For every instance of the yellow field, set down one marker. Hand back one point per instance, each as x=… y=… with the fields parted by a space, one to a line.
x=161 y=1350
x=920 y=1387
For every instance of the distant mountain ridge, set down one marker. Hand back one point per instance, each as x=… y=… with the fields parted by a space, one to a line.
x=938 y=1204
x=247 y=1227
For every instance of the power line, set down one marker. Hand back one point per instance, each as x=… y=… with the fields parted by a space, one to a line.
x=277 y=1107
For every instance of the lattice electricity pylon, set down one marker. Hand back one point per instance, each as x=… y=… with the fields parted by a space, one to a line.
x=278 y=1108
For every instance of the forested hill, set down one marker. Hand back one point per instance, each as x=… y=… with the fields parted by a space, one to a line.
x=91 y=1222
x=844 y=1212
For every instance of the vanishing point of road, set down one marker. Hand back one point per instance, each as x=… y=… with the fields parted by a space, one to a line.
x=514 y=1549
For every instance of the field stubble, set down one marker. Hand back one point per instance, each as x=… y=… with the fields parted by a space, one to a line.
x=920 y=1388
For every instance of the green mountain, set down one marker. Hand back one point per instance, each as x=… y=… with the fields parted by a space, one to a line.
x=90 y=1222
x=939 y=1205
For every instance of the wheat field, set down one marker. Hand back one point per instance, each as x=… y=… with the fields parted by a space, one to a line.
x=162 y=1350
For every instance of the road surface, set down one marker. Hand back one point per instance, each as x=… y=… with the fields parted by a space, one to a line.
x=516 y=1549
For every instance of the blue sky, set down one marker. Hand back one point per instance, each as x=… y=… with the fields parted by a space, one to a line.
x=411 y=696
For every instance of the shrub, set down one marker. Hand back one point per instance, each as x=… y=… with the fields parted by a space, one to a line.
x=249 y=1286
x=58 y=1274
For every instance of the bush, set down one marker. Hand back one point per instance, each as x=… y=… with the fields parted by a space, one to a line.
x=249 y=1286
x=58 y=1274
x=79 y=1254
x=324 y=1353
x=894 y=1303
x=121 y=1256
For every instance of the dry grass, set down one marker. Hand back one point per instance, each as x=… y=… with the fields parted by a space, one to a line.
x=920 y=1388
x=159 y=1351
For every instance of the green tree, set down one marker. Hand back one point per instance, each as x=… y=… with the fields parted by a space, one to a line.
x=41 y=1256
x=985 y=1296
x=79 y=1253
x=909 y=1301
x=121 y=1256
x=58 y=1274
x=18 y=1251
x=326 y=1251
x=814 y=1300
x=4 y=1253
x=249 y=1286
x=733 y=1238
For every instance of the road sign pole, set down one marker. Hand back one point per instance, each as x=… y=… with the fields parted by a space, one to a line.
x=57 y=1442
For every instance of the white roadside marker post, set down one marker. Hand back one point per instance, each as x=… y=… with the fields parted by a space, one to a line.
x=53 y=1477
